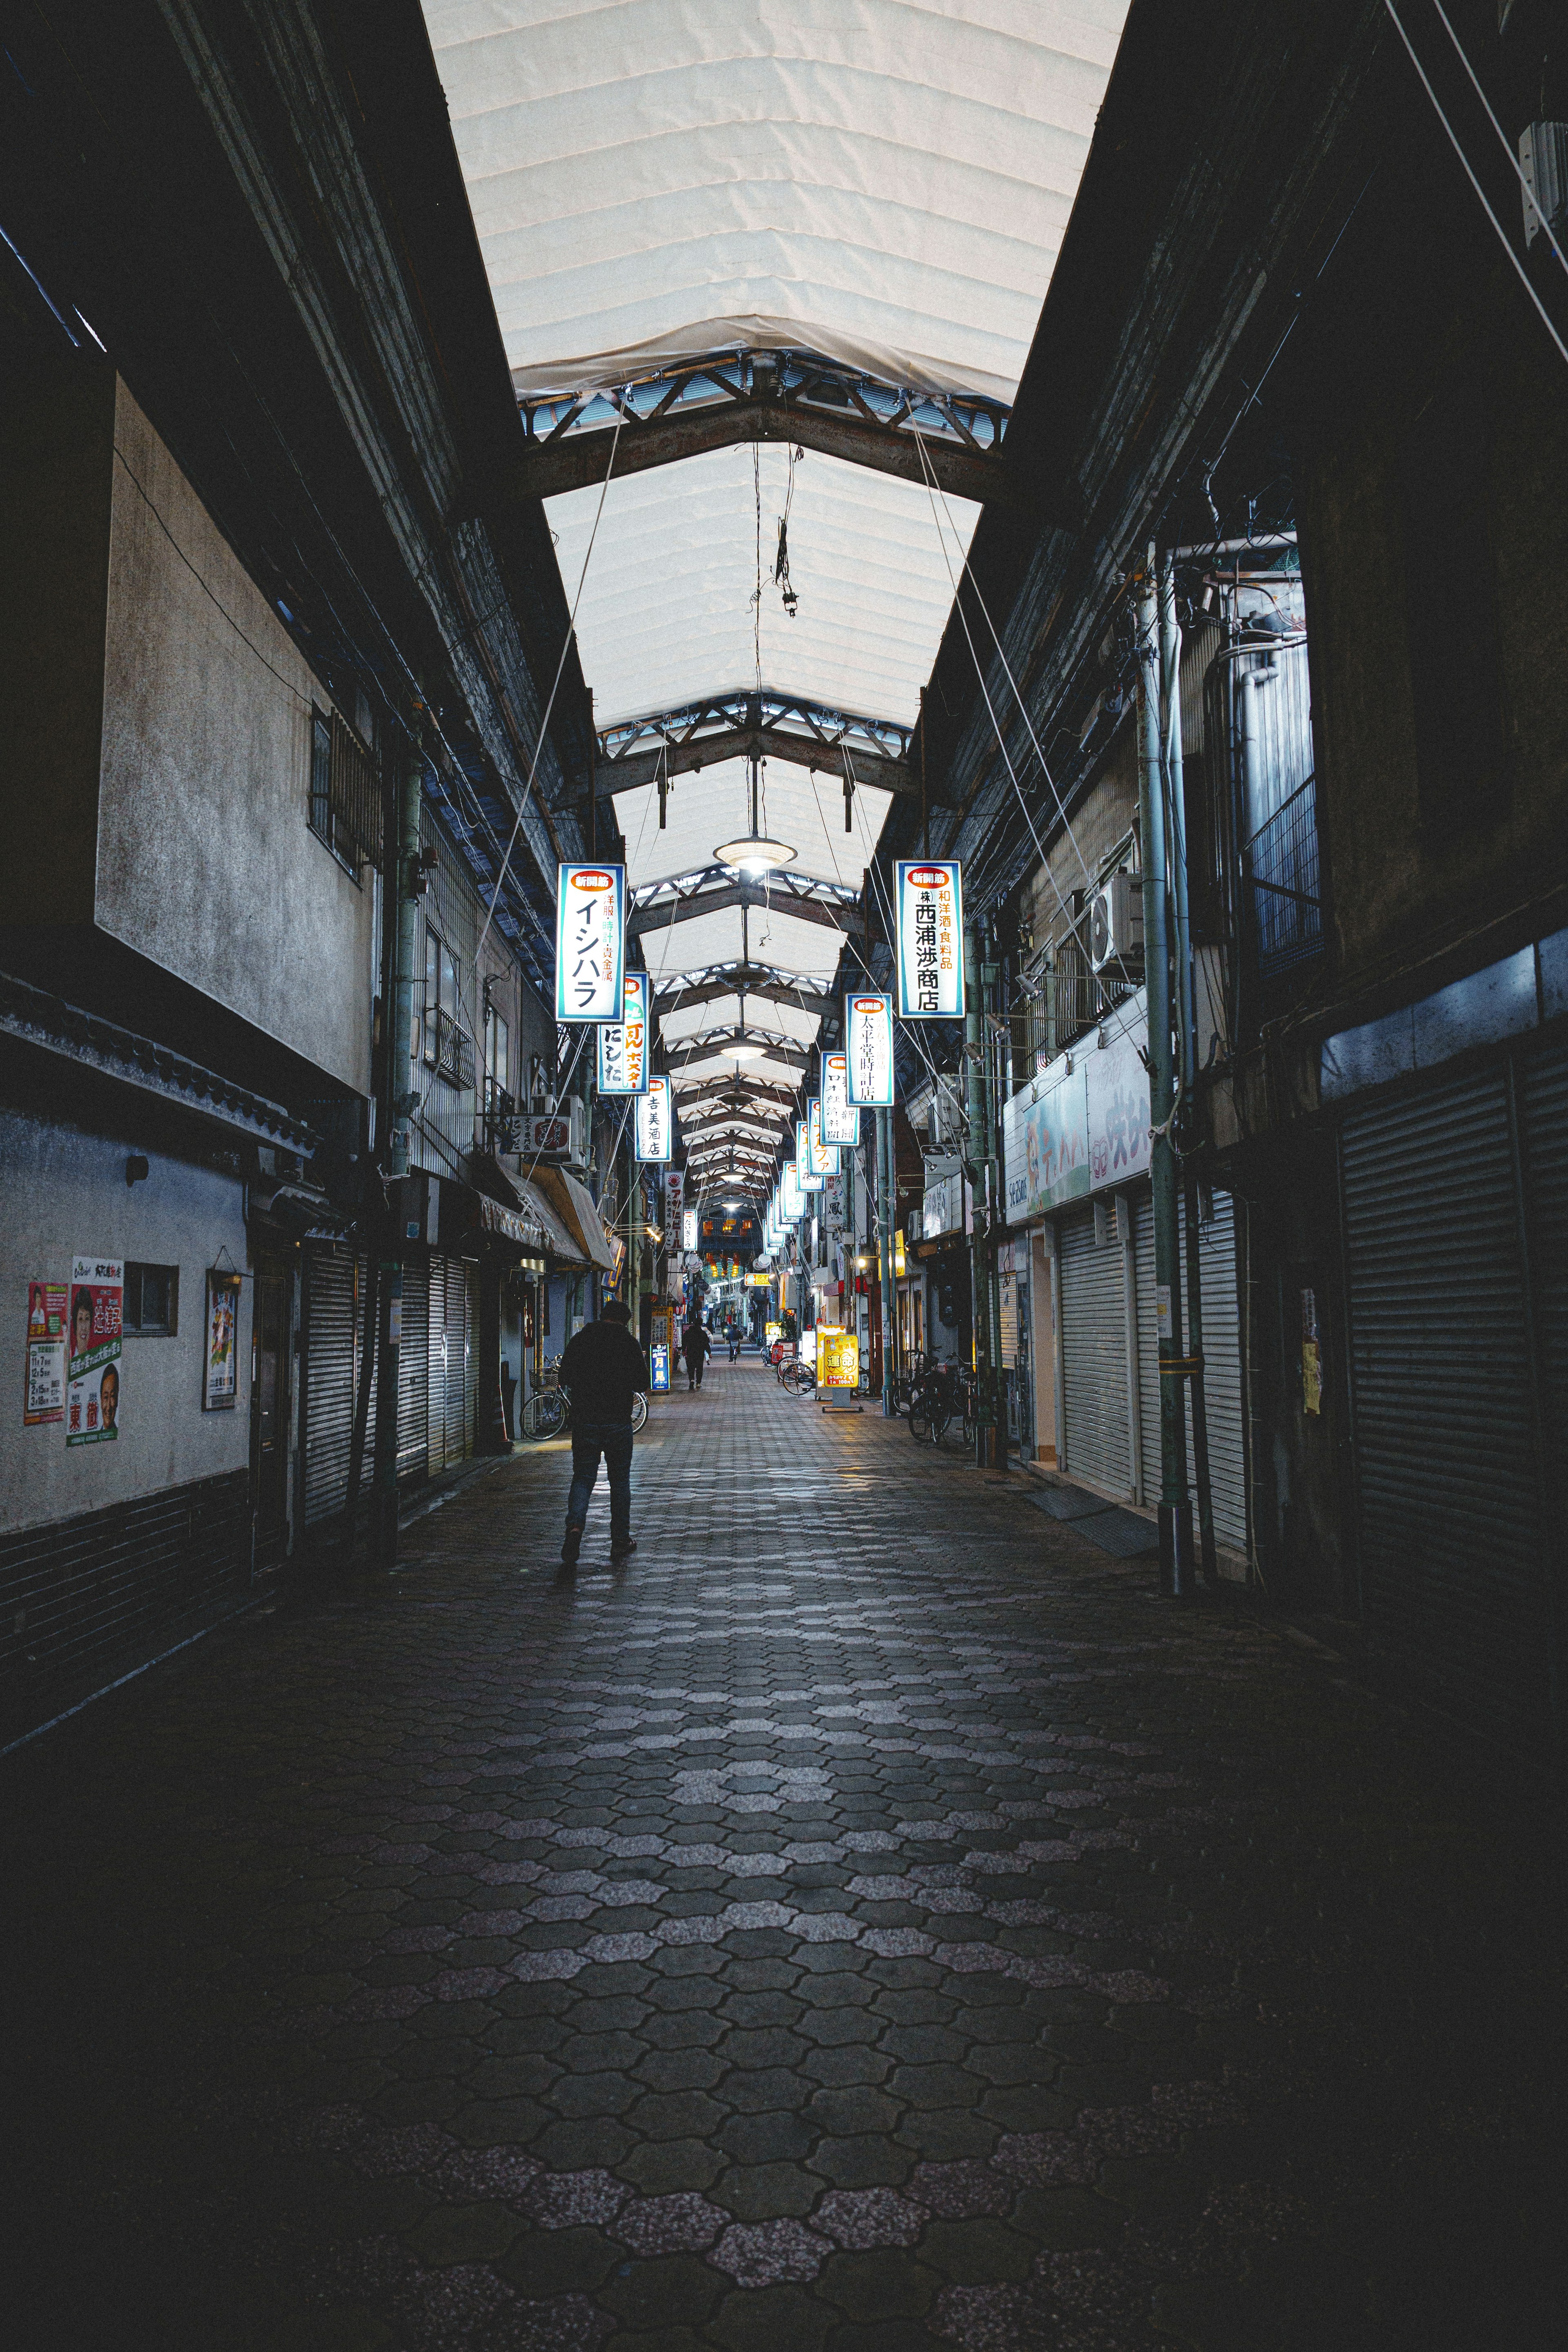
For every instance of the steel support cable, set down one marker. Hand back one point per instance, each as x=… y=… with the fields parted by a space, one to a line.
x=1514 y=165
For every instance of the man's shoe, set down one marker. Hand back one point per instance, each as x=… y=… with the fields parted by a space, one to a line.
x=624 y=1551
x=572 y=1545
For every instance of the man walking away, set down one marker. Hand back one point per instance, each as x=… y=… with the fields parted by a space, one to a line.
x=734 y=1343
x=696 y=1347
x=602 y=1369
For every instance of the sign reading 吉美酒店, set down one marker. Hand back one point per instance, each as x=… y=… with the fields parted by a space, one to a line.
x=869 y=1049
x=590 y=943
x=623 y=1044
x=840 y=1122
x=930 y=911
x=655 y=1121
x=92 y=1349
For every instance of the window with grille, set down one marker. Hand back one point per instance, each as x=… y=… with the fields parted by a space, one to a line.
x=345 y=796
x=151 y=1308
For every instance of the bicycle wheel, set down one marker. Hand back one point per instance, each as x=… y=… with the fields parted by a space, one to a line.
x=920 y=1419
x=545 y=1415
x=789 y=1375
x=639 y=1412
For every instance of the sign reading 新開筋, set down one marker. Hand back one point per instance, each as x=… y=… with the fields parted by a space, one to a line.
x=623 y=1044
x=868 y=1050
x=824 y=1156
x=929 y=912
x=590 y=935
x=92 y=1349
x=840 y=1122
x=44 y=1391
x=655 y=1122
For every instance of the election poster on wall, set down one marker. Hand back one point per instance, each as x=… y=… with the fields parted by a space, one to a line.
x=928 y=905
x=624 y=1043
x=654 y=1118
x=590 y=932
x=840 y=1121
x=869 y=1049
x=220 y=1381
x=44 y=1389
x=93 y=1343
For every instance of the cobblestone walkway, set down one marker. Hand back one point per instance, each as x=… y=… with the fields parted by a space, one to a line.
x=871 y=1921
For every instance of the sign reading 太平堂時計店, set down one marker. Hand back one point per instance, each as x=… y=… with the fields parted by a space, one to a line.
x=590 y=943
x=623 y=1044
x=930 y=909
x=655 y=1120
x=840 y=1122
x=92 y=1349
x=869 y=1049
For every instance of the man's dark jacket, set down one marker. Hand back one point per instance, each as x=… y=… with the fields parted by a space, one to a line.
x=604 y=1368
x=695 y=1345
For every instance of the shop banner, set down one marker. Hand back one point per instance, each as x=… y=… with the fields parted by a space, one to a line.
x=1045 y=1144
x=833 y=1205
x=840 y=1121
x=837 y=1359
x=793 y=1197
x=220 y=1376
x=689 y=1229
x=824 y=1155
x=44 y=1389
x=868 y=1050
x=655 y=1115
x=674 y=1206
x=590 y=935
x=624 y=1044
x=658 y=1359
x=92 y=1367
x=930 y=916
x=1120 y=1143
x=805 y=1175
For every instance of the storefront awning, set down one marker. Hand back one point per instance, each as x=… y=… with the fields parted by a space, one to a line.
x=573 y=1205
x=561 y=1246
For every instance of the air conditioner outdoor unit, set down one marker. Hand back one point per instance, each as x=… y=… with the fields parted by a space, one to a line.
x=945 y=1118
x=1116 y=921
x=1543 y=169
x=559 y=1136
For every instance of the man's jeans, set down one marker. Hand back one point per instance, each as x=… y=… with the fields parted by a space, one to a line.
x=613 y=1439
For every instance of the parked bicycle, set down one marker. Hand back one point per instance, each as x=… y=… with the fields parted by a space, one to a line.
x=939 y=1395
x=548 y=1412
x=798 y=1377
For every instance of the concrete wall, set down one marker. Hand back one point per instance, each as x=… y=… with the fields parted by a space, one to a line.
x=205 y=862
x=62 y=1195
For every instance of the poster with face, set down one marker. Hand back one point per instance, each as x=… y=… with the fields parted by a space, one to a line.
x=44 y=1389
x=92 y=1349
x=220 y=1382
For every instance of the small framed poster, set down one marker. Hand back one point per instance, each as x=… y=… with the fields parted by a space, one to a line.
x=220 y=1363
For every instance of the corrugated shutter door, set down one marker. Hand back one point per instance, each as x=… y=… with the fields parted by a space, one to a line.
x=331 y=1307
x=438 y=1341
x=470 y=1354
x=1094 y=1357
x=414 y=1376
x=1544 y=1118
x=1222 y=1366
x=1450 y=1535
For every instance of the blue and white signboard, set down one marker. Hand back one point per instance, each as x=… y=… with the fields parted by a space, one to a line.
x=624 y=1044
x=824 y=1160
x=868 y=1050
x=590 y=943
x=929 y=910
x=654 y=1113
x=658 y=1361
x=840 y=1123
x=805 y=1175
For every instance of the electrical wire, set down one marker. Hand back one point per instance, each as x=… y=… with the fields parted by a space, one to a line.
x=1514 y=165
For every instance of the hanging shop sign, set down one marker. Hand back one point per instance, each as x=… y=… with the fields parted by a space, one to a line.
x=93 y=1340
x=806 y=1174
x=837 y=1359
x=824 y=1155
x=44 y=1389
x=655 y=1115
x=868 y=1050
x=220 y=1361
x=689 y=1229
x=834 y=1206
x=840 y=1120
x=624 y=1043
x=658 y=1359
x=929 y=912
x=590 y=943
x=794 y=1198
x=674 y=1206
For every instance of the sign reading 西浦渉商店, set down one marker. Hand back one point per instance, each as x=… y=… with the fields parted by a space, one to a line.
x=930 y=911
x=590 y=943
x=623 y=1044
x=840 y=1121
x=869 y=1049
x=92 y=1349
x=44 y=1390
x=654 y=1119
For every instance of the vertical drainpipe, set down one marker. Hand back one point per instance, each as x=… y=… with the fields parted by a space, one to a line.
x=406 y=878
x=1175 y=1505
x=1187 y=1020
x=977 y=1169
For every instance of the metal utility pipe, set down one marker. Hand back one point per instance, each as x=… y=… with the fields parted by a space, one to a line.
x=1186 y=1009
x=1175 y=1506
x=406 y=878
x=975 y=1168
x=885 y=1255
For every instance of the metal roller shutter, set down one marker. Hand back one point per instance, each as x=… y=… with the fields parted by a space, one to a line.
x=1094 y=1357
x=471 y=1353
x=1222 y=1365
x=1544 y=1121
x=414 y=1376
x=438 y=1364
x=1450 y=1540
x=333 y=1290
